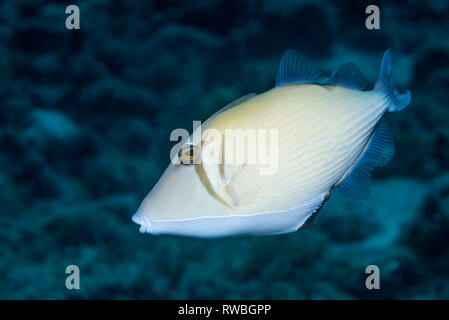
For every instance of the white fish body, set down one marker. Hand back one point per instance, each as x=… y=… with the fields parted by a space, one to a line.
x=328 y=135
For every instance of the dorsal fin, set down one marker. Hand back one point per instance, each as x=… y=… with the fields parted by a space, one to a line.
x=348 y=75
x=378 y=152
x=295 y=67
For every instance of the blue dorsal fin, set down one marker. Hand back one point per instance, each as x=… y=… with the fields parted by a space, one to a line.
x=348 y=75
x=378 y=152
x=295 y=67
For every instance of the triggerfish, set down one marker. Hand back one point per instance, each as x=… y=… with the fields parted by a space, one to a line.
x=324 y=133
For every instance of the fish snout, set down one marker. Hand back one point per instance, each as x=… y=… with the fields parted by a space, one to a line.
x=144 y=222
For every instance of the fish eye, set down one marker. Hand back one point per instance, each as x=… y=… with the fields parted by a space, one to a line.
x=188 y=154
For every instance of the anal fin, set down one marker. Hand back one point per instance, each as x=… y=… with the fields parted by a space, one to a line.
x=378 y=152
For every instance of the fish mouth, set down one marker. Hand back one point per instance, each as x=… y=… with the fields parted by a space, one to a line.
x=144 y=222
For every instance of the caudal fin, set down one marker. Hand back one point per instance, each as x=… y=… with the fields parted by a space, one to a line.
x=384 y=83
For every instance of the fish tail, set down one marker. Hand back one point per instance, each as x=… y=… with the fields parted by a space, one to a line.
x=384 y=83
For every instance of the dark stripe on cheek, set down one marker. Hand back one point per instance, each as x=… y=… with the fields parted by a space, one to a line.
x=206 y=183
